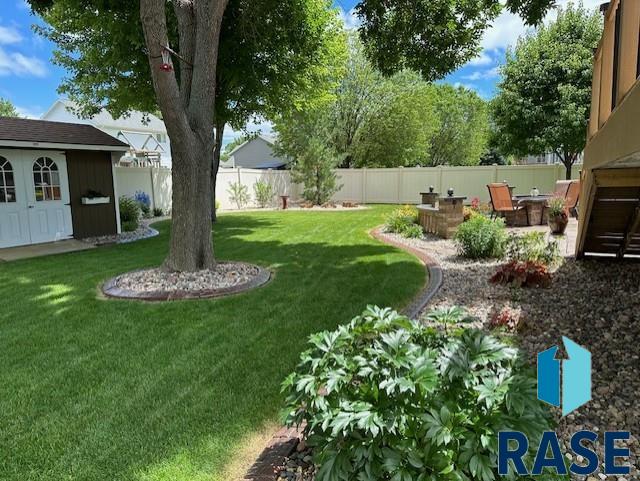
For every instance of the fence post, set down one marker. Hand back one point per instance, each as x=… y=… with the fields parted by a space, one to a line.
x=153 y=190
x=440 y=179
x=495 y=174
x=364 y=185
x=400 y=174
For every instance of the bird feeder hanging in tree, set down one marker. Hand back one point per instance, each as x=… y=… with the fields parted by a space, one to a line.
x=167 y=64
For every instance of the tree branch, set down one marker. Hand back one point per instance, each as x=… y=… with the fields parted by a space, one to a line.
x=183 y=10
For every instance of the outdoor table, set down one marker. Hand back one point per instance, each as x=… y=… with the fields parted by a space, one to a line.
x=535 y=205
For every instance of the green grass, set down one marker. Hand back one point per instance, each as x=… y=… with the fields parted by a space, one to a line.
x=122 y=390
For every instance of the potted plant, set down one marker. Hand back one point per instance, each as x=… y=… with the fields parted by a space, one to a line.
x=558 y=215
x=94 y=197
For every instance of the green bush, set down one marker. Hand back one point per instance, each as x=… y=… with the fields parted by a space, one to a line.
x=239 y=193
x=401 y=219
x=129 y=213
x=481 y=237
x=157 y=212
x=263 y=192
x=386 y=398
x=532 y=247
x=413 y=231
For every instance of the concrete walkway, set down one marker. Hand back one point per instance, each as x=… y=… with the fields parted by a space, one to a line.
x=36 y=250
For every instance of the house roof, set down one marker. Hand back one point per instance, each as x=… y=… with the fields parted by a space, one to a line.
x=267 y=138
x=134 y=121
x=272 y=164
x=43 y=133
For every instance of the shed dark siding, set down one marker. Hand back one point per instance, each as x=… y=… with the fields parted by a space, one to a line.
x=91 y=170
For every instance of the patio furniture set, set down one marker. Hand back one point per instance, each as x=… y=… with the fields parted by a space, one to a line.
x=529 y=210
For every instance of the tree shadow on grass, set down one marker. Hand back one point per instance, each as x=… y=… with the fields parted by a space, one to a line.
x=130 y=390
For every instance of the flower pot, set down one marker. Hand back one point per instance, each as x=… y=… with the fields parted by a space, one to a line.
x=558 y=224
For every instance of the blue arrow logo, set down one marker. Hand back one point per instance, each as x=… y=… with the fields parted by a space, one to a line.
x=576 y=377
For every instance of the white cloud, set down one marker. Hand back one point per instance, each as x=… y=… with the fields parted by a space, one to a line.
x=33 y=112
x=350 y=19
x=483 y=59
x=9 y=35
x=15 y=63
x=483 y=74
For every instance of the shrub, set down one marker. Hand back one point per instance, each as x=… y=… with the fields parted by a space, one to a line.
x=557 y=207
x=532 y=247
x=158 y=212
x=481 y=237
x=263 y=191
x=386 y=398
x=523 y=274
x=400 y=219
x=506 y=318
x=413 y=231
x=129 y=213
x=448 y=316
x=144 y=201
x=239 y=194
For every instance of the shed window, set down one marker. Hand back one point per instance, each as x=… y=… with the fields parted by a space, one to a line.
x=46 y=179
x=7 y=182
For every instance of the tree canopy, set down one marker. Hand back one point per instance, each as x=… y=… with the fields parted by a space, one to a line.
x=543 y=100
x=7 y=109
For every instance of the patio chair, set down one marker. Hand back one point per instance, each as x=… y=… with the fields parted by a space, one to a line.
x=572 y=197
x=562 y=186
x=503 y=205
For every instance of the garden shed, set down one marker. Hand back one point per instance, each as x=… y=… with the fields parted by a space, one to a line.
x=56 y=181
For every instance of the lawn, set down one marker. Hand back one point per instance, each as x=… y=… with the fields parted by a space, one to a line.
x=124 y=390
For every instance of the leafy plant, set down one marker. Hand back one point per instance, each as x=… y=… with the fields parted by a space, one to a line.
x=448 y=315
x=557 y=207
x=144 y=201
x=481 y=237
x=158 y=212
x=506 y=318
x=523 y=274
x=129 y=213
x=386 y=398
x=239 y=194
x=532 y=247
x=263 y=191
x=401 y=219
x=413 y=231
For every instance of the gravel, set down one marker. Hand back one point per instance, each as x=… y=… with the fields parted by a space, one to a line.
x=224 y=275
x=298 y=466
x=144 y=231
x=594 y=302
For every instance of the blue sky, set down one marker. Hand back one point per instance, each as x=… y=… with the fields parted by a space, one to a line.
x=29 y=79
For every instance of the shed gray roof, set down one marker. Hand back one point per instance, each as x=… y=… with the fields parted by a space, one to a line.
x=47 y=132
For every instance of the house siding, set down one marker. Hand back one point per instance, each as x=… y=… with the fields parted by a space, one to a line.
x=253 y=154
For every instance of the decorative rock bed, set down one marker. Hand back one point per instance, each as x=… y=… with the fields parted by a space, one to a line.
x=157 y=285
x=144 y=231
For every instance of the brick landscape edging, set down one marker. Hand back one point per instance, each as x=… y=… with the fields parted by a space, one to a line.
x=433 y=269
x=110 y=288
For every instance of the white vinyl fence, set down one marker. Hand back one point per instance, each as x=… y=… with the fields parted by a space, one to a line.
x=385 y=186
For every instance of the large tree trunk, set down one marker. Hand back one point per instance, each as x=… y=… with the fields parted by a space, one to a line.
x=215 y=167
x=188 y=109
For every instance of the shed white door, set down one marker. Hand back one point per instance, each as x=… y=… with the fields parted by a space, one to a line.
x=41 y=198
x=14 y=219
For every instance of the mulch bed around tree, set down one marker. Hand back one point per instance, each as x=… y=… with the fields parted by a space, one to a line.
x=157 y=285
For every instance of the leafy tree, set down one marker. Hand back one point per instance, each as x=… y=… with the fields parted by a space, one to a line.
x=302 y=137
x=234 y=58
x=432 y=37
x=7 y=109
x=492 y=157
x=543 y=99
x=397 y=132
x=461 y=134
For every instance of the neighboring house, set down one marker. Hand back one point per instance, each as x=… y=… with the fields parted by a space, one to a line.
x=549 y=158
x=610 y=197
x=255 y=153
x=145 y=135
x=56 y=181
